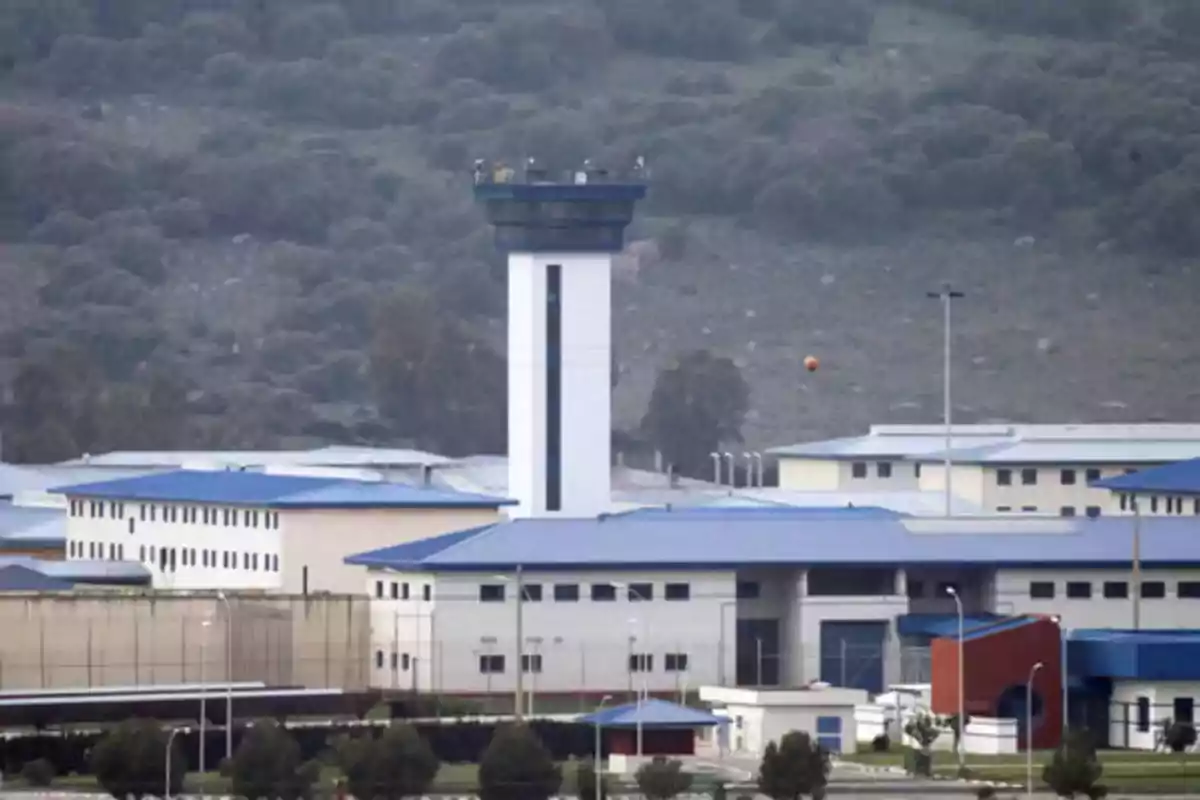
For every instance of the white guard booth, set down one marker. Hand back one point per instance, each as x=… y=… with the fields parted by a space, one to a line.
x=759 y=716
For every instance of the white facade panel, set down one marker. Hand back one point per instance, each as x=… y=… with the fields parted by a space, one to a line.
x=586 y=375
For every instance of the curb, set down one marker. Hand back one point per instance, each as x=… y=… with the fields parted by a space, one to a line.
x=900 y=771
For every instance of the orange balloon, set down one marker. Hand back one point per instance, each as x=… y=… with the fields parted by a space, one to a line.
x=811 y=363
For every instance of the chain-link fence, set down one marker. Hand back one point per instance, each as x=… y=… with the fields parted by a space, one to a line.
x=84 y=641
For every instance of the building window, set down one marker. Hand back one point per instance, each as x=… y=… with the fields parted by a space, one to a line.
x=1067 y=511
x=491 y=593
x=1154 y=590
x=405 y=662
x=142 y=553
x=395 y=590
x=748 y=590
x=427 y=592
x=917 y=470
x=566 y=592
x=640 y=592
x=1143 y=714
x=641 y=662
x=1124 y=502
x=1093 y=475
x=858 y=469
x=603 y=592
x=1116 y=590
x=883 y=469
x=1029 y=509
x=1004 y=509
x=675 y=662
x=404 y=591
x=1092 y=511
x=378 y=659
x=1004 y=477
x=1041 y=590
x=533 y=592
x=915 y=589
x=491 y=664
x=1153 y=505
x=1079 y=590
x=677 y=591
x=245 y=561
x=395 y=661
x=1188 y=589
x=531 y=662
x=1067 y=477
x=1029 y=477
x=1196 y=506
x=1185 y=710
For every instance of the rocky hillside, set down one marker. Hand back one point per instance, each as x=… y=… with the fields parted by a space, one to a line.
x=252 y=221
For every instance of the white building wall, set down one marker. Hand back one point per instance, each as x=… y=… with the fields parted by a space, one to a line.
x=1013 y=589
x=236 y=548
x=1157 y=699
x=402 y=634
x=585 y=645
x=586 y=404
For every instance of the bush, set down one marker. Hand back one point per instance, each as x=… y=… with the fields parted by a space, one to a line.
x=1074 y=768
x=1180 y=736
x=397 y=764
x=985 y=792
x=130 y=760
x=881 y=743
x=517 y=766
x=663 y=779
x=38 y=773
x=797 y=766
x=268 y=763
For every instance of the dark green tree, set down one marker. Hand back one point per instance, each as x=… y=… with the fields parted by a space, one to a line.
x=662 y=779
x=585 y=781
x=924 y=729
x=698 y=404
x=795 y=767
x=130 y=760
x=1074 y=769
x=1180 y=737
x=398 y=764
x=268 y=764
x=517 y=766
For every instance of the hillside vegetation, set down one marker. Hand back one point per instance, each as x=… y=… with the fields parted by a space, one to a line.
x=249 y=222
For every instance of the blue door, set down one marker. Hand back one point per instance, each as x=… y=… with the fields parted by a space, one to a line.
x=852 y=653
x=829 y=734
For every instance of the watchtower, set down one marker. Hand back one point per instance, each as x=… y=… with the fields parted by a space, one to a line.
x=560 y=233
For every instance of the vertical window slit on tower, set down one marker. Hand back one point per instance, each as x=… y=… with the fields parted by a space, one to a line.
x=554 y=387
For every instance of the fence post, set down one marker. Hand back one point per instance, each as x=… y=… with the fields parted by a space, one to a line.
x=89 y=653
x=137 y=655
x=42 y=649
x=183 y=657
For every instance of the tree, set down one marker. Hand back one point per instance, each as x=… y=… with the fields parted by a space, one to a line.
x=268 y=764
x=1074 y=768
x=663 y=779
x=585 y=781
x=131 y=760
x=397 y=764
x=924 y=729
x=517 y=766
x=698 y=403
x=1180 y=737
x=795 y=767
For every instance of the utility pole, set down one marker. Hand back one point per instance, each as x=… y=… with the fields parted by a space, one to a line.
x=947 y=295
x=519 y=695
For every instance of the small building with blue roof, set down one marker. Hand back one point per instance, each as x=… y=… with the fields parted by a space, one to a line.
x=667 y=729
x=1167 y=490
x=756 y=596
x=243 y=530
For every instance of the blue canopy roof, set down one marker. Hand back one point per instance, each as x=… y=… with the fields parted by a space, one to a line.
x=1182 y=477
x=652 y=714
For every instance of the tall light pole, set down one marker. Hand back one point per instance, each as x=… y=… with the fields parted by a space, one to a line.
x=1066 y=685
x=228 y=674
x=1137 y=564
x=643 y=659
x=962 y=705
x=205 y=625
x=947 y=296
x=519 y=689
x=167 y=768
x=598 y=761
x=1033 y=671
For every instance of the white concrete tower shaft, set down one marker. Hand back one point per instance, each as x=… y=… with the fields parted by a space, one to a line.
x=559 y=383
x=560 y=237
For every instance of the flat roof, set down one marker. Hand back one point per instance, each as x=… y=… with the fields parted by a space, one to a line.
x=696 y=539
x=236 y=487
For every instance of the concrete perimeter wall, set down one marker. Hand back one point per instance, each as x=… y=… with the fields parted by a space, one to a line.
x=78 y=640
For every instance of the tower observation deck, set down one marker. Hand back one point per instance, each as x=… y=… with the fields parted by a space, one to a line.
x=560 y=234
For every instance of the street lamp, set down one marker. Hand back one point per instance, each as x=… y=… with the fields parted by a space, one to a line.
x=1066 y=685
x=228 y=675
x=519 y=689
x=206 y=624
x=962 y=716
x=1033 y=671
x=642 y=658
x=721 y=671
x=947 y=296
x=167 y=780
x=599 y=747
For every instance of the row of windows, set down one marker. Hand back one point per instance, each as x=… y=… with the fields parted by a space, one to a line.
x=95 y=551
x=1113 y=590
x=494 y=664
x=1004 y=476
x=1184 y=710
x=400 y=591
x=203 y=515
x=1170 y=505
x=170 y=558
x=400 y=661
x=599 y=592
x=1063 y=511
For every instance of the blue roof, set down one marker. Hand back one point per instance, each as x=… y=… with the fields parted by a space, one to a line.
x=17 y=578
x=652 y=713
x=939 y=624
x=772 y=510
x=993 y=627
x=1163 y=655
x=229 y=487
x=29 y=526
x=732 y=538
x=1182 y=477
x=117 y=573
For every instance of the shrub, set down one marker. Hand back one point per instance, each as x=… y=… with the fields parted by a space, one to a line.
x=267 y=763
x=881 y=743
x=39 y=773
x=517 y=766
x=663 y=779
x=129 y=760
